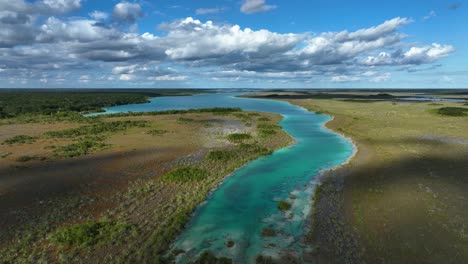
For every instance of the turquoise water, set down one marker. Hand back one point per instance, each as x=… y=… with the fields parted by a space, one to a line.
x=247 y=201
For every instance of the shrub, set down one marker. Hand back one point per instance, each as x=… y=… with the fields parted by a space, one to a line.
x=255 y=149
x=157 y=132
x=266 y=132
x=453 y=111
x=284 y=206
x=221 y=155
x=238 y=137
x=264 y=119
x=4 y=155
x=186 y=174
x=95 y=129
x=81 y=148
x=267 y=126
x=89 y=233
x=20 y=139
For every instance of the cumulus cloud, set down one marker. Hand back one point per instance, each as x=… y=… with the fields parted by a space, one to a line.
x=60 y=6
x=192 y=40
x=98 y=15
x=413 y=56
x=426 y=54
x=255 y=6
x=337 y=47
x=128 y=12
x=32 y=44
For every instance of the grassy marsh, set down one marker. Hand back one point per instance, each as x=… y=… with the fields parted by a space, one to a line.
x=402 y=199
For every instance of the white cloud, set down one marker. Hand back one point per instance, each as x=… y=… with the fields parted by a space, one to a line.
x=31 y=46
x=84 y=79
x=337 y=47
x=191 y=39
x=126 y=11
x=345 y=78
x=205 y=11
x=384 y=58
x=98 y=15
x=127 y=77
x=369 y=73
x=414 y=56
x=169 y=78
x=62 y=6
x=81 y=30
x=381 y=78
x=255 y=6
x=124 y=69
x=431 y=14
x=427 y=54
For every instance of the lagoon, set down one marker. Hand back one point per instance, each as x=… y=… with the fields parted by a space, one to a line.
x=247 y=201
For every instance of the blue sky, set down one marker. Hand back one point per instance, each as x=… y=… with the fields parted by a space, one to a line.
x=234 y=43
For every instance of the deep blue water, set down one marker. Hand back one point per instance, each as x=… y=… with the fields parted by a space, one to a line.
x=247 y=201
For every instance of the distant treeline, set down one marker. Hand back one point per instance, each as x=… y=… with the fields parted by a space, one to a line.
x=215 y=110
x=14 y=103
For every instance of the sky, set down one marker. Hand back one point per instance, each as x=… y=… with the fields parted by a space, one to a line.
x=233 y=44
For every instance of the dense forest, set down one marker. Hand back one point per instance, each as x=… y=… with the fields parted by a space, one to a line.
x=14 y=103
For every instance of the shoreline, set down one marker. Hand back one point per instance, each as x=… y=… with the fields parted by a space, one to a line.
x=352 y=141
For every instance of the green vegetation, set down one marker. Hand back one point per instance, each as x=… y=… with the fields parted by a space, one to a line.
x=453 y=111
x=49 y=102
x=18 y=103
x=238 y=137
x=20 y=139
x=83 y=147
x=266 y=130
x=4 y=155
x=157 y=207
x=255 y=148
x=395 y=170
x=221 y=155
x=284 y=206
x=95 y=129
x=216 y=110
x=157 y=132
x=186 y=174
x=263 y=119
x=91 y=233
x=267 y=126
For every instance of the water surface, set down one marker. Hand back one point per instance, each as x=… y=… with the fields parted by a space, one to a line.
x=247 y=202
